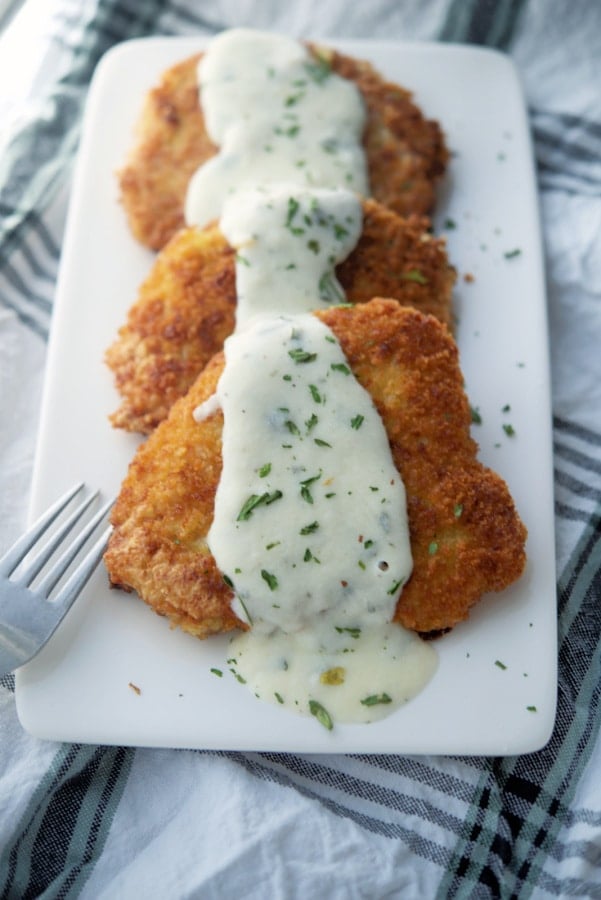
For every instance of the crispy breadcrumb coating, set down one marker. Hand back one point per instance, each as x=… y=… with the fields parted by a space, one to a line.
x=186 y=307
x=406 y=153
x=466 y=536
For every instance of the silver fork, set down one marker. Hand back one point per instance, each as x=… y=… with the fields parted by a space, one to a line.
x=28 y=617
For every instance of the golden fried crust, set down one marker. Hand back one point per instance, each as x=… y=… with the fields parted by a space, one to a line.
x=186 y=306
x=406 y=153
x=466 y=536
x=183 y=314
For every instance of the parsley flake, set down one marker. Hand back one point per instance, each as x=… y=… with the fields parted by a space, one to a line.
x=257 y=500
x=321 y=714
x=315 y=393
x=270 y=579
x=341 y=367
x=374 y=699
x=309 y=529
x=414 y=275
x=354 y=632
x=301 y=356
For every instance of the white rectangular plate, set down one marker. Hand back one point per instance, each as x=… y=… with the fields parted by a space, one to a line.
x=494 y=690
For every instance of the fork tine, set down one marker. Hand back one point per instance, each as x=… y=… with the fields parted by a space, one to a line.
x=83 y=572
x=18 y=551
x=54 y=574
x=35 y=566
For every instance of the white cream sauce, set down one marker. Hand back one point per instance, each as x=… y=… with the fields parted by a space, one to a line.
x=310 y=528
x=276 y=113
x=309 y=518
x=354 y=674
x=310 y=524
x=288 y=241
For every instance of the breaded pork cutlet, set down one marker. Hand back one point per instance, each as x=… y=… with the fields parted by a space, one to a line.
x=406 y=153
x=466 y=536
x=186 y=306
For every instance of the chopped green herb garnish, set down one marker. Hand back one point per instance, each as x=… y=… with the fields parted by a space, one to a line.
x=500 y=665
x=309 y=529
x=257 y=500
x=270 y=579
x=290 y=132
x=361 y=564
x=292 y=427
x=309 y=557
x=357 y=422
x=278 y=697
x=311 y=422
x=242 y=259
x=433 y=548
x=246 y=612
x=318 y=70
x=414 y=275
x=329 y=289
x=511 y=254
x=306 y=493
x=286 y=377
x=395 y=587
x=354 y=632
x=312 y=479
x=302 y=356
x=293 y=206
x=272 y=545
x=321 y=714
x=228 y=581
x=458 y=509
x=531 y=709
x=476 y=417
x=264 y=470
x=341 y=367
x=450 y=224
x=509 y=430
x=315 y=393
x=321 y=443
x=506 y=408
x=217 y=672
x=374 y=699
x=313 y=245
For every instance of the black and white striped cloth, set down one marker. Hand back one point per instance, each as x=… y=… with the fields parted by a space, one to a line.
x=102 y=822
